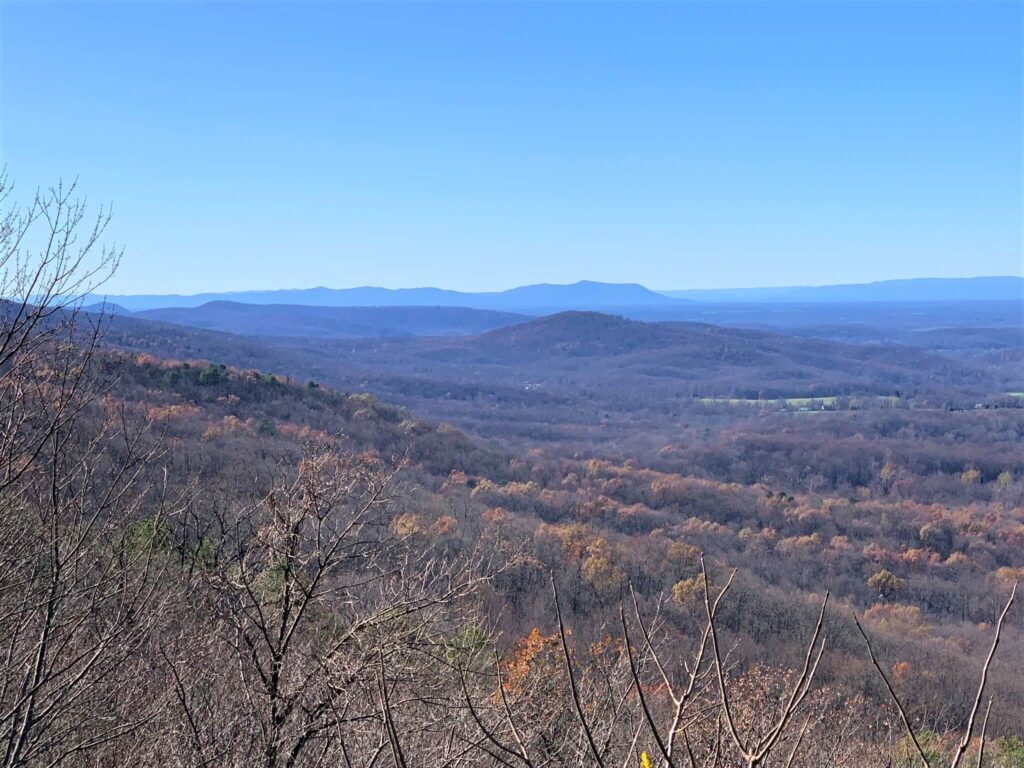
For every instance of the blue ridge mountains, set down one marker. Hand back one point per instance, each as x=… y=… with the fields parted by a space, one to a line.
x=533 y=299
x=839 y=313
x=589 y=295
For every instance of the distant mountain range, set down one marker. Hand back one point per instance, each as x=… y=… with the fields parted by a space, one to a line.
x=876 y=312
x=530 y=299
x=624 y=298
x=915 y=290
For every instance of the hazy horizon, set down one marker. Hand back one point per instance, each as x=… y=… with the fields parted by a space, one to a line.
x=659 y=289
x=588 y=295
x=655 y=289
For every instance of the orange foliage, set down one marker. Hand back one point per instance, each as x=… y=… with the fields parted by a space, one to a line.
x=895 y=617
x=921 y=557
x=176 y=412
x=444 y=525
x=303 y=434
x=229 y=425
x=794 y=544
x=456 y=479
x=901 y=670
x=494 y=515
x=532 y=652
x=406 y=525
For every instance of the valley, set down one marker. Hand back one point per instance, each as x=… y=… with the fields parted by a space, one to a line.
x=592 y=442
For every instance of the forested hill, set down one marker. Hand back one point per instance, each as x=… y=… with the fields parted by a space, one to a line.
x=706 y=359
x=597 y=384
x=922 y=573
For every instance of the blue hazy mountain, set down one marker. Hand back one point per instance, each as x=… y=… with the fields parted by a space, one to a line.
x=1008 y=288
x=588 y=295
x=584 y=295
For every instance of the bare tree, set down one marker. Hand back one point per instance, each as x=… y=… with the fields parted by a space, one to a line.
x=51 y=258
x=84 y=593
x=324 y=617
x=81 y=571
x=965 y=739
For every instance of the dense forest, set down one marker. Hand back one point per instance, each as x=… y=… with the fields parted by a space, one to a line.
x=577 y=541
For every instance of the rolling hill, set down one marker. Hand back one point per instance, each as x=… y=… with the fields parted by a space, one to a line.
x=591 y=348
x=586 y=377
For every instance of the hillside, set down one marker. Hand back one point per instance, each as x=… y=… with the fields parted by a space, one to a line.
x=237 y=428
x=333 y=322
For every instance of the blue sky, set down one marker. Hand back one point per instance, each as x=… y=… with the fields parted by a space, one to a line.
x=483 y=145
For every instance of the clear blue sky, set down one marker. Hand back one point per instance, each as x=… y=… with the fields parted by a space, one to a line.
x=482 y=145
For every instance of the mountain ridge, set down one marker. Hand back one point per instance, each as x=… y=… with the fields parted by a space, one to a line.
x=541 y=298
x=584 y=294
